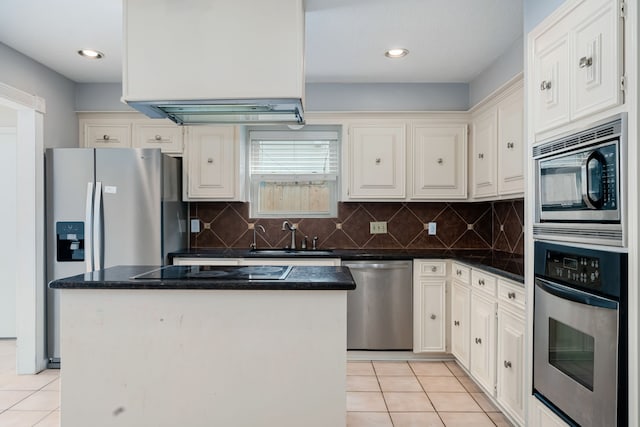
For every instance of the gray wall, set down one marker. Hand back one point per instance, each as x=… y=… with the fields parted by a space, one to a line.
x=536 y=10
x=500 y=71
x=100 y=97
x=60 y=121
x=321 y=97
x=387 y=97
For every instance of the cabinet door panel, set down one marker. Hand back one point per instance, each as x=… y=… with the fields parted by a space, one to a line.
x=377 y=161
x=510 y=361
x=485 y=130
x=595 y=66
x=482 y=363
x=511 y=145
x=550 y=90
x=460 y=328
x=429 y=314
x=439 y=161
x=212 y=162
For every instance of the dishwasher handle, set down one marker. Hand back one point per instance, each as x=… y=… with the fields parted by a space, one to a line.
x=378 y=266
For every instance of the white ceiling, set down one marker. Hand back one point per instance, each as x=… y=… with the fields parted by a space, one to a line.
x=448 y=40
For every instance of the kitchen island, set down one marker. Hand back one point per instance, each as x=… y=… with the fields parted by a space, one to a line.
x=204 y=350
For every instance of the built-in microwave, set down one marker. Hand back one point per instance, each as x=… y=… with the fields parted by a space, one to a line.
x=580 y=185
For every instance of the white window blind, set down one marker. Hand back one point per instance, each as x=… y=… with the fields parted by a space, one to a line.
x=277 y=156
x=293 y=173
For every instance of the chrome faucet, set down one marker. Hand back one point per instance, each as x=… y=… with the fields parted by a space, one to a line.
x=254 y=245
x=292 y=229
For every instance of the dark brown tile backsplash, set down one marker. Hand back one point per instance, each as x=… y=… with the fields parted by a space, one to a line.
x=481 y=225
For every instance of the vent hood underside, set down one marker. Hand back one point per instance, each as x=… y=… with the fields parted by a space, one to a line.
x=247 y=111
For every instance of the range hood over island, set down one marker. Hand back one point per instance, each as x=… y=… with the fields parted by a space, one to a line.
x=215 y=61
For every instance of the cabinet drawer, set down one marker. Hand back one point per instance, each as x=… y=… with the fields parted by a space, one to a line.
x=483 y=282
x=166 y=137
x=432 y=268
x=511 y=294
x=460 y=272
x=111 y=135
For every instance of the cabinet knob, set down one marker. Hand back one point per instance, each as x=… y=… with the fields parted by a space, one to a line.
x=434 y=269
x=481 y=155
x=209 y=160
x=106 y=137
x=585 y=62
x=511 y=295
x=507 y=364
x=440 y=161
x=158 y=138
x=456 y=323
x=378 y=160
x=545 y=85
x=510 y=145
x=458 y=272
x=433 y=317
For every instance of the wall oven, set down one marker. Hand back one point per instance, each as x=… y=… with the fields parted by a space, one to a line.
x=580 y=344
x=580 y=185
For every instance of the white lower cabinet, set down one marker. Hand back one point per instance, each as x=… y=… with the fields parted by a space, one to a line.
x=429 y=289
x=460 y=312
x=206 y=261
x=483 y=341
x=488 y=335
x=541 y=416
x=510 y=360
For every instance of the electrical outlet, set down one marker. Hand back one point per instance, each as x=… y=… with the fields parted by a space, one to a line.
x=432 y=229
x=379 y=227
x=195 y=225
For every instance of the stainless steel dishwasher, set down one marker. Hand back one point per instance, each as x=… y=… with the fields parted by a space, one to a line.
x=380 y=309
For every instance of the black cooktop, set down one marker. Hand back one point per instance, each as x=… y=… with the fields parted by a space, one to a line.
x=215 y=272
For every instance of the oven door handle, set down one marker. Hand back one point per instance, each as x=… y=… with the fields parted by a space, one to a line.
x=575 y=295
x=587 y=185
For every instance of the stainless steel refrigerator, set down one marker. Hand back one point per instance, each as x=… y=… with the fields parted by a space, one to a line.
x=107 y=207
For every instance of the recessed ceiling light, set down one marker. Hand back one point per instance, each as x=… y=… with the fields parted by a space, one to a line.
x=396 y=53
x=90 y=53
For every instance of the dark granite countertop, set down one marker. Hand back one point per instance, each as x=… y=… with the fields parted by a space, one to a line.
x=510 y=266
x=120 y=277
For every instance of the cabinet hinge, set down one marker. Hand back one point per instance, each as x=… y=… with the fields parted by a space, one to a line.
x=495 y=389
x=623 y=10
x=623 y=83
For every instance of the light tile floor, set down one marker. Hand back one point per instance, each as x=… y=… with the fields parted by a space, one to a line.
x=27 y=400
x=416 y=394
x=379 y=394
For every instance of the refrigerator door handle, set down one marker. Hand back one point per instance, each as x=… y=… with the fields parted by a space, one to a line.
x=88 y=232
x=97 y=228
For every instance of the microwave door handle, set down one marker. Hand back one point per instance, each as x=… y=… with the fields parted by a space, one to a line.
x=586 y=184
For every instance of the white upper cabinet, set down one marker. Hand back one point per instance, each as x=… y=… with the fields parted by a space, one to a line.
x=497 y=158
x=596 y=63
x=485 y=135
x=438 y=161
x=576 y=63
x=129 y=130
x=213 y=163
x=511 y=144
x=377 y=160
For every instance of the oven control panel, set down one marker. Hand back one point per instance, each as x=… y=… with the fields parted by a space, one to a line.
x=577 y=270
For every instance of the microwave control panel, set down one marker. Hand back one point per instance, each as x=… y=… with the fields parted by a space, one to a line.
x=609 y=175
x=578 y=270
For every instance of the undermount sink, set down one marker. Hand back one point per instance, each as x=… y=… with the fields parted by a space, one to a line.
x=291 y=252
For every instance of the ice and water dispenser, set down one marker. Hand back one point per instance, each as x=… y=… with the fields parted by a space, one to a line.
x=70 y=241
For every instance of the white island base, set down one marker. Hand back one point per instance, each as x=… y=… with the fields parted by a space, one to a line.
x=227 y=358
